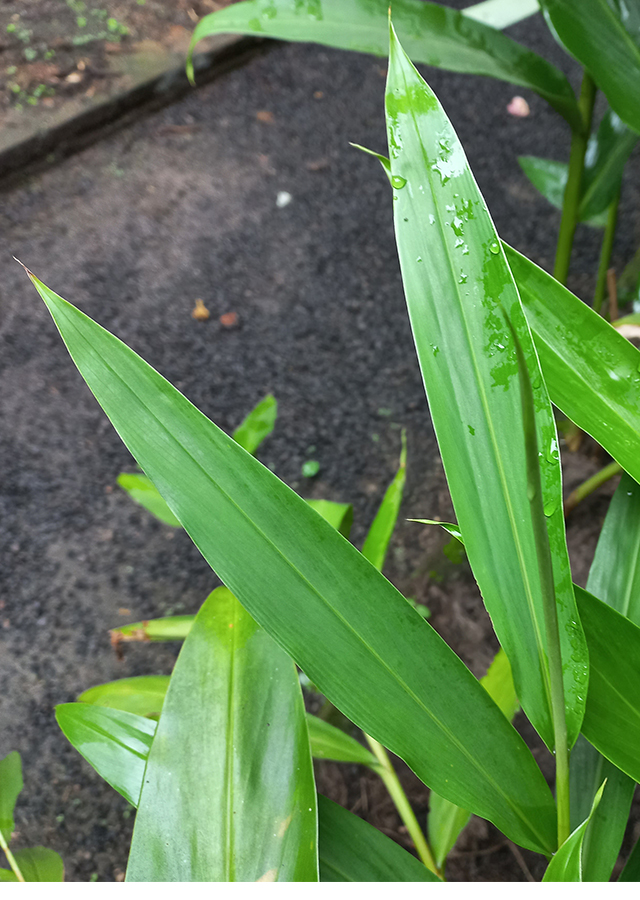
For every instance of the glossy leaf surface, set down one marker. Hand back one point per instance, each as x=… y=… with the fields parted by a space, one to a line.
x=10 y=786
x=612 y=717
x=446 y=820
x=377 y=541
x=116 y=743
x=386 y=669
x=329 y=742
x=430 y=33
x=501 y=13
x=228 y=792
x=459 y=288
x=168 y=628
x=142 y=695
x=594 y=32
x=566 y=865
x=592 y=372
x=353 y=850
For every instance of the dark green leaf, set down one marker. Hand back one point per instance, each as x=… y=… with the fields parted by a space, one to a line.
x=386 y=669
x=10 y=786
x=353 y=850
x=329 y=742
x=566 y=865
x=631 y=871
x=550 y=178
x=257 y=425
x=594 y=32
x=431 y=34
x=114 y=742
x=592 y=372
x=228 y=792
x=377 y=541
x=458 y=288
x=142 y=695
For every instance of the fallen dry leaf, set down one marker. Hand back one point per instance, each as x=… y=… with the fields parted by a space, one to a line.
x=316 y=165
x=200 y=311
x=229 y=320
x=263 y=115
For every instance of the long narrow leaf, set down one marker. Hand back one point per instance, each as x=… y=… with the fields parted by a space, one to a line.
x=168 y=628
x=593 y=373
x=458 y=288
x=328 y=742
x=594 y=32
x=502 y=13
x=377 y=540
x=350 y=630
x=228 y=792
x=566 y=865
x=142 y=695
x=432 y=34
x=353 y=850
x=10 y=786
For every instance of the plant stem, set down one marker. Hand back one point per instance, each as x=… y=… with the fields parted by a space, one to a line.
x=605 y=253
x=11 y=858
x=571 y=200
x=397 y=794
x=590 y=485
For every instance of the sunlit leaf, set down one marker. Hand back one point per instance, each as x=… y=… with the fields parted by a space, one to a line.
x=142 y=695
x=501 y=13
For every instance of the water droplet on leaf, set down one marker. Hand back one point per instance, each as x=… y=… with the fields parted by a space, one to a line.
x=398 y=182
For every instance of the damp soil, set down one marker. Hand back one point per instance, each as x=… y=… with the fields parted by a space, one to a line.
x=189 y=204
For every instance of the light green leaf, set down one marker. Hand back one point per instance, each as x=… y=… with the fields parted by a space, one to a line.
x=10 y=786
x=376 y=543
x=594 y=32
x=566 y=865
x=593 y=373
x=168 y=628
x=446 y=820
x=142 y=695
x=458 y=288
x=143 y=491
x=383 y=160
x=114 y=742
x=431 y=34
x=451 y=529
x=39 y=864
x=339 y=515
x=329 y=742
x=258 y=425
x=353 y=850
x=346 y=626
x=612 y=717
x=502 y=13
x=228 y=792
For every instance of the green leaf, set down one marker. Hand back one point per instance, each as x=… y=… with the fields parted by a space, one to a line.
x=607 y=153
x=143 y=491
x=353 y=850
x=592 y=371
x=612 y=717
x=258 y=425
x=39 y=864
x=10 y=786
x=142 y=695
x=339 y=515
x=614 y=578
x=446 y=820
x=631 y=871
x=376 y=543
x=329 y=742
x=566 y=865
x=451 y=529
x=228 y=792
x=114 y=742
x=383 y=160
x=431 y=34
x=346 y=626
x=594 y=32
x=458 y=288
x=168 y=628
x=501 y=13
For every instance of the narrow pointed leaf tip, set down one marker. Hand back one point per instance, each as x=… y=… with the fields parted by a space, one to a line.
x=458 y=287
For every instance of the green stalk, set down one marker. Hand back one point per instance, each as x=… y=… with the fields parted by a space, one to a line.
x=590 y=485
x=11 y=858
x=571 y=200
x=605 y=253
x=392 y=783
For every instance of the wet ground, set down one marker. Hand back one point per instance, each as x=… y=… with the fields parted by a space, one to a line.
x=189 y=204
